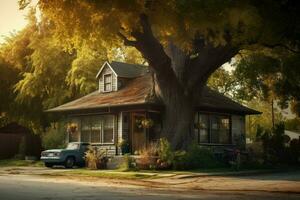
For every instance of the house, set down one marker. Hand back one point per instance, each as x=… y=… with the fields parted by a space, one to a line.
x=125 y=108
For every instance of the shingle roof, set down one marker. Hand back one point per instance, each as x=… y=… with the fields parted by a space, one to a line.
x=128 y=70
x=137 y=91
x=214 y=101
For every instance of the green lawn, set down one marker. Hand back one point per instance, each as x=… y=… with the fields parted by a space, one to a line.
x=20 y=163
x=112 y=174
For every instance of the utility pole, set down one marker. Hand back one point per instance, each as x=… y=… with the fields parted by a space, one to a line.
x=273 y=118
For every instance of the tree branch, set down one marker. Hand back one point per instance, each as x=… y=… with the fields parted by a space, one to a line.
x=126 y=41
x=151 y=49
x=272 y=46
x=208 y=60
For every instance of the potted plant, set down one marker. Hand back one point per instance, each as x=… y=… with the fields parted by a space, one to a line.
x=124 y=145
x=96 y=159
x=144 y=123
x=72 y=128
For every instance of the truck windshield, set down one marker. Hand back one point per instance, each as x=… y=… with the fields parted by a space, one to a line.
x=73 y=146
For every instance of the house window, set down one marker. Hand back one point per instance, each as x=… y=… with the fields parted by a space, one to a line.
x=108 y=129
x=98 y=129
x=107 y=82
x=203 y=129
x=212 y=129
x=85 y=130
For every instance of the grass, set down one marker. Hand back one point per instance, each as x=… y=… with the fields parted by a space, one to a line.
x=20 y=163
x=111 y=174
x=152 y=174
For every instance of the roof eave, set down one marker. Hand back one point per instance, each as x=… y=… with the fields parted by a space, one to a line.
x=56 y=110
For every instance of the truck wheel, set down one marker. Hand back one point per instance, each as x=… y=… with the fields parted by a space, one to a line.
x=49 y=165
x=69 y=163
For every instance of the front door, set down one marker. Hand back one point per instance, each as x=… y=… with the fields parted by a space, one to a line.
x=138 y=133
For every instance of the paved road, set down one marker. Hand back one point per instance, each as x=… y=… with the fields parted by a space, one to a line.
x=30 y=187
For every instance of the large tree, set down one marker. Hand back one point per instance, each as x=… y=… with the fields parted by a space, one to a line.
x=270 y=77
x=183 y=41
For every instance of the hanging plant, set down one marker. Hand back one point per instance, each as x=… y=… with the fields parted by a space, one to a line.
x=72 y=128
x=144 y=123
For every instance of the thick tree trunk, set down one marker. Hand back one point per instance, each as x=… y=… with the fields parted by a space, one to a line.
x=180 y=77
x=178 y=115
x=178 y=122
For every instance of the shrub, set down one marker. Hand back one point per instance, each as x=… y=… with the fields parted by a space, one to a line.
x=96 y=158
x=165 y=154
x=125 y=148
x=148 y=157
x=54 y=137
x=180 y=160
x=200 y=157
x=195 y=157
x=256 y=153
x=128 y=163
x=277 y=147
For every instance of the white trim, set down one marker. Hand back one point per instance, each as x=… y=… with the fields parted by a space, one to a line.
x=103 y=68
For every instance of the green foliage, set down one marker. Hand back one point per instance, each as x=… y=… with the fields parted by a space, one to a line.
x=270 y=76
x=292 y=124
x=200 y=157
x=196 y=157
x=223 y=81
x=263 y=120
x=180 y=160
x=125 y=147
x=165 y=152
x=128 y=164
x=277 y=147
x=21 y=163
x=54 y=137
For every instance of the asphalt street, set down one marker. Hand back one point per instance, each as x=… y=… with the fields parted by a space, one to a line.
x=31 y=187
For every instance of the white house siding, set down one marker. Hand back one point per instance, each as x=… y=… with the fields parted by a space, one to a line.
x=238 y=130
x=107 y=70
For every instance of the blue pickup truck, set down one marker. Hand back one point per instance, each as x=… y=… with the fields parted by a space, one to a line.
x=69 y=157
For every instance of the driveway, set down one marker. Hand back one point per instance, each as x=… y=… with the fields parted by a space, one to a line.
x=31 y=187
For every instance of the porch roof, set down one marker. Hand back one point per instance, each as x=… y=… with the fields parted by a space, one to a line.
x=138 y=92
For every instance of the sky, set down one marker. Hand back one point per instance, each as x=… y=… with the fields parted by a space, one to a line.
x=11 y=18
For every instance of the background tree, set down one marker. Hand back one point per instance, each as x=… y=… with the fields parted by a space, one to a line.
x=183 y=46
x=224 y=82
x=270 y=77
x=38 y=73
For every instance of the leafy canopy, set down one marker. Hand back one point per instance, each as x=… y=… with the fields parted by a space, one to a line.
x=246 y=22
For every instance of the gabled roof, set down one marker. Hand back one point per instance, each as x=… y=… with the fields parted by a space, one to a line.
x=125 y=70
x=137 y=92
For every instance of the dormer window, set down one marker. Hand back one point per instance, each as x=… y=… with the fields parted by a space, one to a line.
x=107 y=82
x=114 y=76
